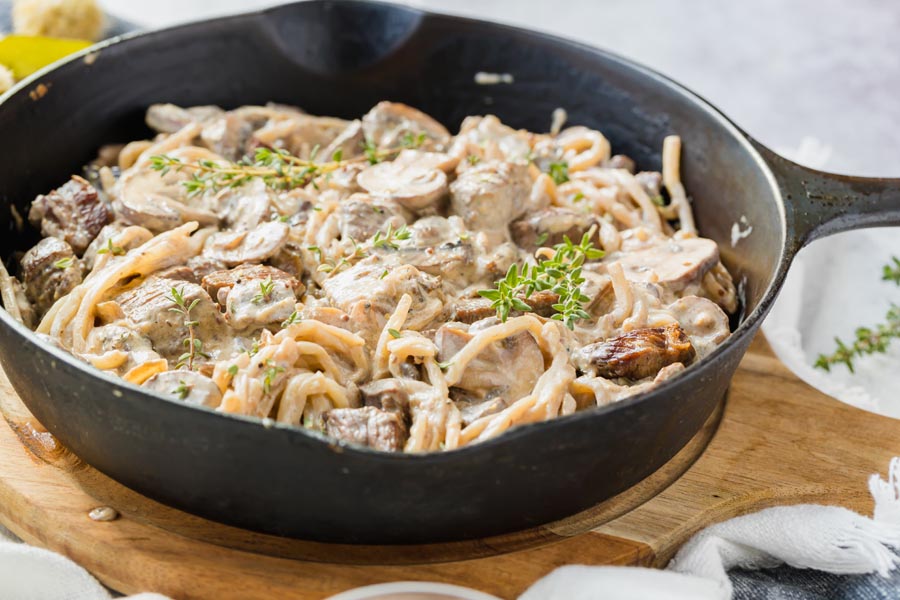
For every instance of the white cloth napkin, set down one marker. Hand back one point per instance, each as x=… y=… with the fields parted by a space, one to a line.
x=30 y=573
x=825 y=538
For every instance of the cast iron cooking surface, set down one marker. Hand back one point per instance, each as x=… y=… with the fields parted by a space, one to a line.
x=340 y=58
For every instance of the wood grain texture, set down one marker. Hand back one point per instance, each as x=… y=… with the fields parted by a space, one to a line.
x=778 y=442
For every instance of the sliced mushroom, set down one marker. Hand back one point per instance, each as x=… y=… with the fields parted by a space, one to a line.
x=191 y=387
x=672 y=265
x=428 y=160
x=349 y=142
x=390 y=124
x=169 y=118
x=300 y=134
x=245 y=207
x=237 y=247
x=703 y=320
x=412 y=186
x=158 y=201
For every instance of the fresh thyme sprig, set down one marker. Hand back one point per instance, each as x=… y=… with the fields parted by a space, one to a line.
x=64 y=263
x=891 y=272
x=111 y=249
x=277 y=168
x=272 y=371
x=389 y=238
x=183 y=390
x=868 y=340
x=193 y=345
x=293 y=318
x=266 y=287
x=559 y=172
x=560 y=274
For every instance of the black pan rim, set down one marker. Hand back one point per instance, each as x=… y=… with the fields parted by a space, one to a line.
x=747 y=326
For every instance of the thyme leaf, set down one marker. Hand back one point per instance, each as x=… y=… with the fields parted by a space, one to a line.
x=561 y=274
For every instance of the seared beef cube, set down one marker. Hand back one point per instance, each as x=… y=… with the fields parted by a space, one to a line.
x=73 y=213
x=491 y=194
x=218 y=283
x=367 y=426
x=470 y=310
x=389 y=395
x=362 y=217
x=49 y=271
x=547 y=228
x=637 y=354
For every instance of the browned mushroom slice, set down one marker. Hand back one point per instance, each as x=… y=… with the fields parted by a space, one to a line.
x=672 y=265
x=549 y=226
x=245 y=207
x=469 y=310
x=428 y=160
x=392 y=125
x=73 y=213
x=169 y=118
x=367 y=426
x=300 y=134
x=160 y=202
x=221 y=281
x=237 y=247
x=637 y=354
x=349 y=142
x=188 y=386
x=411 y=186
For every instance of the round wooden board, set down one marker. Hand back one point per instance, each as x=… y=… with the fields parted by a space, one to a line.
x=778 y=442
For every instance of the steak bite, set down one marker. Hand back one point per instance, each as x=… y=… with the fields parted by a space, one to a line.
x=367 y=426
x=637 y=354
x=218 y=283
x=49 y=271
x=491 y=194
x=549 y=226
x=73 y=213
x=390 y=395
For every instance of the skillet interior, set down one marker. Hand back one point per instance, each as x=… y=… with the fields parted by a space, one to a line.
x=340 y=58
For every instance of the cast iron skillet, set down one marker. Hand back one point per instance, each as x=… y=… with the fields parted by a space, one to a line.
x=340 y=58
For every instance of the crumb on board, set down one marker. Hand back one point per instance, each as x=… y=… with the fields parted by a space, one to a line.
x=39 y=92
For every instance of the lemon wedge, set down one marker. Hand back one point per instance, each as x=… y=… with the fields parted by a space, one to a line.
x=25 y=54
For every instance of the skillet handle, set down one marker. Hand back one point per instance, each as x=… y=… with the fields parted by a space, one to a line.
x=818 y=204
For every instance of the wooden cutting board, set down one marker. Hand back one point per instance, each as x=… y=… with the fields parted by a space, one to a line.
x=774 y=441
